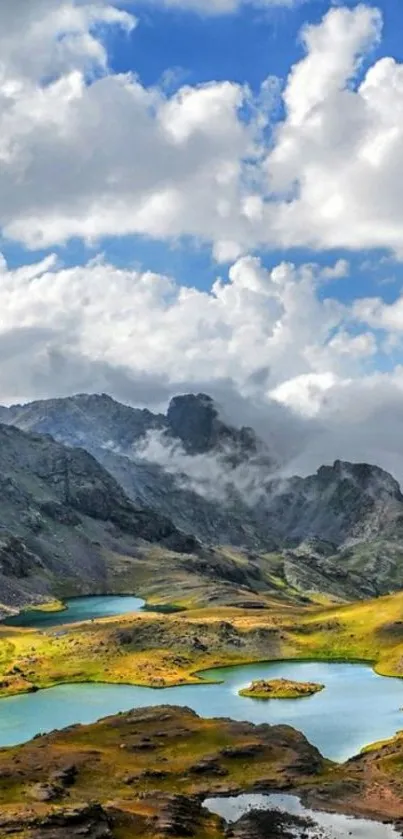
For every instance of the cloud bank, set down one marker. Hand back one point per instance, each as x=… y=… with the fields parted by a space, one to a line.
x=87 y=152
x=263 y=343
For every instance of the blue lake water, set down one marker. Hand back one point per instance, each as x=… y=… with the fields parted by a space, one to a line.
x=77 y=609
x=357 y=706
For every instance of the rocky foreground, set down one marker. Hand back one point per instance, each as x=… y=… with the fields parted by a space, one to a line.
x=146 y=774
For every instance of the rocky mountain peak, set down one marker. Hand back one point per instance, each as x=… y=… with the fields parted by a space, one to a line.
x=196 y=420
x=207 y=476
x=62 y=514
x=366 y=477
x=88 y=420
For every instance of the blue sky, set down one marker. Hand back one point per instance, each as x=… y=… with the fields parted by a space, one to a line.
x=200 y=199
x=245 y=47
x=181 y=47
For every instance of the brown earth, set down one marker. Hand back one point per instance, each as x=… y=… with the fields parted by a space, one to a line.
x=145 y=774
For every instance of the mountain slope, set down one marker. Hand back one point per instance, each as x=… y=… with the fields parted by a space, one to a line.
x=60 y=509
x=150 y=455
x=339 y=531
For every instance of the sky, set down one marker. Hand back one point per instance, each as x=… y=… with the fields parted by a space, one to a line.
x=208 y=195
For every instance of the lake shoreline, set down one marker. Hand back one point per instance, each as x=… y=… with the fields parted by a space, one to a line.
x=313 y=808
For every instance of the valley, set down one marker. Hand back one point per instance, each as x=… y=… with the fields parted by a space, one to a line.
x=154 y=588
x=201 y=419
x=155 y=649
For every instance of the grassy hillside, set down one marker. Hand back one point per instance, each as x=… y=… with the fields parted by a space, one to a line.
x=148 y=648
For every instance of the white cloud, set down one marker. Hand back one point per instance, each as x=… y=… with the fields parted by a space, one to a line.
x=274 y=354
x=304 y=394
x=161 y=167
x=123 y=316
x=381 y=315
x=358 y=419
x=88 y=153
x=337 y=271
x=57 y=37
x=256 y=320
x=211 y=475
x=338 y=154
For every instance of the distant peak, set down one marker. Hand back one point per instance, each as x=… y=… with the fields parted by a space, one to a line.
x=92 y=397
x=191 y=400
x=193 y=418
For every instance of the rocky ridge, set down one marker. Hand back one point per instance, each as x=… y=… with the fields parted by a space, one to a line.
x=142 y=782
x=338 y=531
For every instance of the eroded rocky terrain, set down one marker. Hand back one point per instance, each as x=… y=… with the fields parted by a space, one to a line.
x=145 y=773
x=62 y=514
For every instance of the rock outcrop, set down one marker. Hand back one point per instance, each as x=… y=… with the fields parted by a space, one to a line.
x=119 y=788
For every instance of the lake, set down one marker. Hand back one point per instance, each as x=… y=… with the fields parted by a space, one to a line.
x=77 y=609
x=357 y=706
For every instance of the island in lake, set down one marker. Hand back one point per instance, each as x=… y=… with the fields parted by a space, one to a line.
x=280 y=689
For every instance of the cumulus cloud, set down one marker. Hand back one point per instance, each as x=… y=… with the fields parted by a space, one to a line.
x=300 y=369
x=160 y=167
x=255 y=320
x=87 y=152
x=58 y=37
x=338 y=153
x=200 y=161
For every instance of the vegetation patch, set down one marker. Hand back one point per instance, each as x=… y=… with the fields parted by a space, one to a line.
x=160 y=650
x=280 y=689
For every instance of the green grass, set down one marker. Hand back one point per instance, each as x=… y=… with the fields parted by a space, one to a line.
x=160 y=650
x=280 y=689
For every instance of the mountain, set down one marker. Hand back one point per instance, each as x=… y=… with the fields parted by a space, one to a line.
x=337 y=531
x=193 y=420
x=60 y=514
x=150 y=455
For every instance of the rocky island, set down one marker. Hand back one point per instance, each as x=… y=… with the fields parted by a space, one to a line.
x=280 y=689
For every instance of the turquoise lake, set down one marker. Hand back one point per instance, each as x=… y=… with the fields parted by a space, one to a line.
x=77 y=609
x=357 y=706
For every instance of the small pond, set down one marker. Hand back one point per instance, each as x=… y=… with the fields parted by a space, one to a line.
x=329 y=825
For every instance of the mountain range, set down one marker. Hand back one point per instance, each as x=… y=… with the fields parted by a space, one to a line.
x=194 y=483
